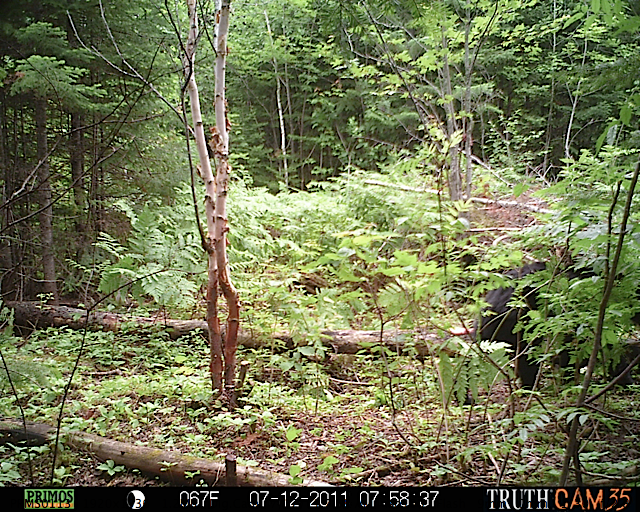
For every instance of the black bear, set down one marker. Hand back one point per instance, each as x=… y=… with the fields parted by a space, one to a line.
x=499 y=319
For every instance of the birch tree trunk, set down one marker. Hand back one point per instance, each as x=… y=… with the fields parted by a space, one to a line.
x=223 y=169
x=575 y=98
x=216 y=189
x=215 y=340
x=283 y=136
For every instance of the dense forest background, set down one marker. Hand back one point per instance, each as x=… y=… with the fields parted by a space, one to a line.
x=363 y=138
x=315 y=90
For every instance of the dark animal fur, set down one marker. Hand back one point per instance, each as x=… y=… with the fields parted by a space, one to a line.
x=498 y=322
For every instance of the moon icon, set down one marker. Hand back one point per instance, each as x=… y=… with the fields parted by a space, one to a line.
x=135 y=500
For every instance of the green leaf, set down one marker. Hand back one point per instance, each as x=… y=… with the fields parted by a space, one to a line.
x=362 y=240
x=518 y=189
x=292 y=433
x=295 y=470
x=307 y=351
x=393 y=271
x=328 y=463
x=573 y=19
x=590 y=21
x=345 y=252
x=405 y=259
x=349 y=471
x=625 y=115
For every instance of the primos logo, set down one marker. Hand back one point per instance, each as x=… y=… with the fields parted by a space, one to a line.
x=49 y=498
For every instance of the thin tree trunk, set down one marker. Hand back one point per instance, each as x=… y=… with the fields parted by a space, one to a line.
x=455 y=179
x=223 y=170
x=215 y=335
x=215 y=204
x=301 y=146
x=93 y=185
x=76 y=160
x=96 y=215
x=287 y=86
x=574 y=105
x=7 y=273
x=552 y=94
x=283 y=135
x=12 y=277
x=572 y=451
x=46 y=216
x=547 y=143
x=468 y=119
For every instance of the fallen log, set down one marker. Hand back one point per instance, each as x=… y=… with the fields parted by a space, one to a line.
x=35 y=315
x=482 y=200
x=169 y=466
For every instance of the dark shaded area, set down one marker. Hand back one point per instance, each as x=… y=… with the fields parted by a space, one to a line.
x=498 y=323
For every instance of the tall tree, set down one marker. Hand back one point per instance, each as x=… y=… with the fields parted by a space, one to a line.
x=46 y=207
x=84 y=177
x=44 y=78
x=223 y=353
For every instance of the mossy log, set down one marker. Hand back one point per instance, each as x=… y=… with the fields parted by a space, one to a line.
x=169 y=466
x=34 y=315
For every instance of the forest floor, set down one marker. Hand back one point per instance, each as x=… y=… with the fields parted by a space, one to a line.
x=339 y=421
x=358 y=442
